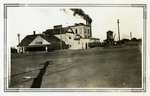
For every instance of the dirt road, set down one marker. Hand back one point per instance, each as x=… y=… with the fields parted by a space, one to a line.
x=90 y=68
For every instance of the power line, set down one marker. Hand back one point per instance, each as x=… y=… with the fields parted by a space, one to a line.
x=115 y=22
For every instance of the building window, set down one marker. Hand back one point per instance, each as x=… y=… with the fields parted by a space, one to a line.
x=80 y=31
x=85 y=36
x=88 y=31
x=76 y=31
x=38 y=43
x=85 y=32
x=69 y=37
x=78 y=42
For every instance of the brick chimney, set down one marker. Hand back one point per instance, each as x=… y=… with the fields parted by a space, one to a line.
x=88 y=23
x=34 y=33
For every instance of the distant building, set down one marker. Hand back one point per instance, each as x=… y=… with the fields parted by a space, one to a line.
x=109 y=38
x=72 y=37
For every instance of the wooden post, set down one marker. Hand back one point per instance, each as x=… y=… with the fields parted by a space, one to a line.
x=131 y=35
x=19 y=41
x=60 y=39
x=118 y=31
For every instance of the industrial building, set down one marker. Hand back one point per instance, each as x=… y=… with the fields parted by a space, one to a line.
x=77 y=36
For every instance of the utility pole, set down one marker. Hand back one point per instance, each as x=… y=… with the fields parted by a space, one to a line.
x=60 y=39
x=131 y=35
x=118 y=30
x=114 y=37
x=19 y=41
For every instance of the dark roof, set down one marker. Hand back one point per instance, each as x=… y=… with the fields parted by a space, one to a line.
x=79 y=25
x=110 y=31
x=29 y=38
x=94 y=38
x=50 y=39
x=56 y=31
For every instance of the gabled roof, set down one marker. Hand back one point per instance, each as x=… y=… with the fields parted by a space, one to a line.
x=79 y=25
x=29 y=38
x=109 y=31
x=56 y=31
x=50 y=38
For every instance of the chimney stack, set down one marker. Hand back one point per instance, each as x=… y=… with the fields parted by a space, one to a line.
x=88 y=23
x=33 y=32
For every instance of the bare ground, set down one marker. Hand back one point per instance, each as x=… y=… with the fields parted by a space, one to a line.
x=118 y=67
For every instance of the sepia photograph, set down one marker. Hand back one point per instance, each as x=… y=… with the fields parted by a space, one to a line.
x=75 y=47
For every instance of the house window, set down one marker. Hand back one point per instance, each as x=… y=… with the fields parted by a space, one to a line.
x=38 y=42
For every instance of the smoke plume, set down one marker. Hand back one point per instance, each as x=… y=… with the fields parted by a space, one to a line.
x=81 y=13
x=64 y=10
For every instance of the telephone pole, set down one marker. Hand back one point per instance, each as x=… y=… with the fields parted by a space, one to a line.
x=118 y=30
x=19 y=41
x=60 y=39
x=130 y=35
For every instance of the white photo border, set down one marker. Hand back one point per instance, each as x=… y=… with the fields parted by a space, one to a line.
x=7 y=61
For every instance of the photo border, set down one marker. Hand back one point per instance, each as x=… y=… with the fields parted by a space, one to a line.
x=6 y=51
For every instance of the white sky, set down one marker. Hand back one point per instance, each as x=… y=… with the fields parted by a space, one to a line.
x=25 y=20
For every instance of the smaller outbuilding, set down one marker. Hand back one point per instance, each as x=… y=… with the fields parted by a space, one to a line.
x=110 y=38
x=40 y=42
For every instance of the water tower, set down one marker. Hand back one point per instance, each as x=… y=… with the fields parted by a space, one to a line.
x=110 y=39
x=109 y=35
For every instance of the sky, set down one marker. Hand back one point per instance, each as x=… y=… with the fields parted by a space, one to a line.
x=25 y=20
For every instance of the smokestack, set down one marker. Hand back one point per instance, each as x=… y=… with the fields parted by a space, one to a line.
x=81 y=13
x=87 y=22
x=33 y=32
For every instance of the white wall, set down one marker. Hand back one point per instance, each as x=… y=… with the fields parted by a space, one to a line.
x=81 y=30
x=75 y=44
x=39 y=39
x=65 y=37
x=80 y=44
x=84 y=41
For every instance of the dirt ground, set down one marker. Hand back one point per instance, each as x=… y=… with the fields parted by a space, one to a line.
x=113 y=67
